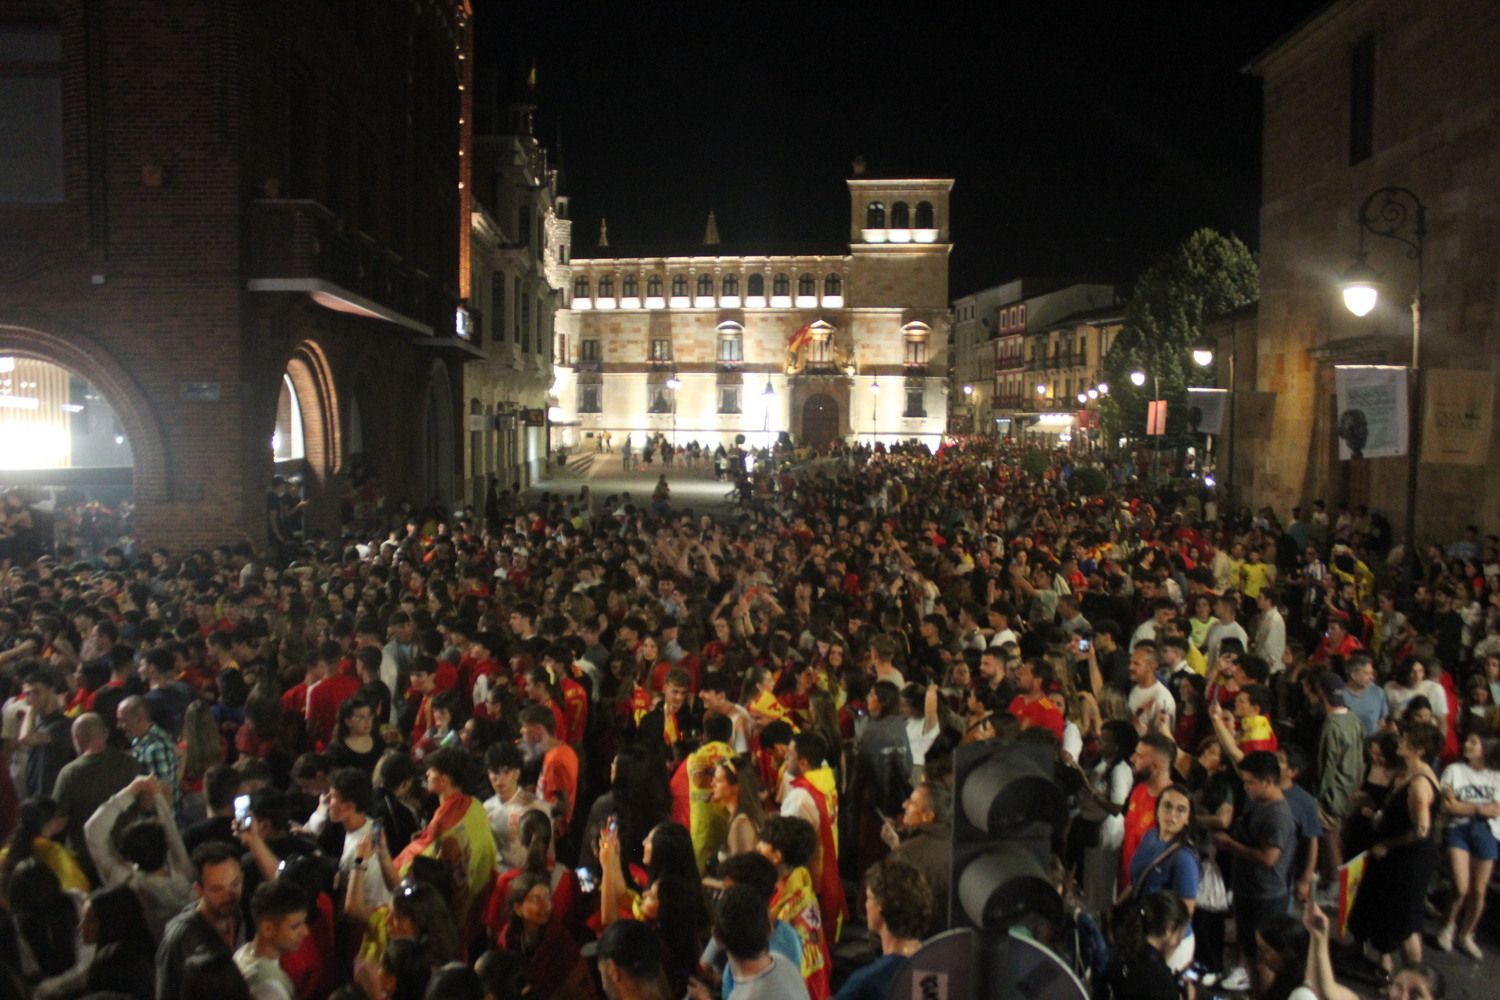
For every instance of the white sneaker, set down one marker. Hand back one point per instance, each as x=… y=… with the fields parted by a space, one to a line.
x=1445 y=938
x=1237 y=981
x=1468 y=947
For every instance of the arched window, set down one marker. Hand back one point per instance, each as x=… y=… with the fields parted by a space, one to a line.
x=924 y=215
x=580 y=288
x=706 y=285
x=731 y=342
x=653 y=286
x=628 y=286
x=820 y=347
x=679 y=285
x=916 y=335
x=781 y=285
x=606 y=287
x=875 y=215
x=833 y=285
x=731 y=285
x=807 y=285
x=756 y=286
x=900 y=216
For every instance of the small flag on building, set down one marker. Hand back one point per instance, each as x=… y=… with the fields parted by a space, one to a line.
x=1156 y=418
x=800 y=338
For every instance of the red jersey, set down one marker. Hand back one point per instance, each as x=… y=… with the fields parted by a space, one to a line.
x=1041 y=713
x=1140 y=816
x=323 y=703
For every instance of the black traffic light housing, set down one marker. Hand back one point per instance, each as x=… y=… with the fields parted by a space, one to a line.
x=1007 y=806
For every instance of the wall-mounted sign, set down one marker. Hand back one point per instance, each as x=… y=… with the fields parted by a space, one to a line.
x=198 y=392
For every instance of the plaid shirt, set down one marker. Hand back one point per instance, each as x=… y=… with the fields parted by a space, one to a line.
x=156 y=754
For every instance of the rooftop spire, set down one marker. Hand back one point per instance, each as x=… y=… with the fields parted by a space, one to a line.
x=711 y=231
x=604 y=232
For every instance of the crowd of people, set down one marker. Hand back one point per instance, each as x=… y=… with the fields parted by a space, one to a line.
x=586 y=747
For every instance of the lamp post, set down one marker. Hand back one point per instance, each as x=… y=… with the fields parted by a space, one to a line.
x=1203 y=356
x=969 y=405
x=674 y=383
x=1138 y=379
x=767 y=398
x=1396 y=213
x=874 y=411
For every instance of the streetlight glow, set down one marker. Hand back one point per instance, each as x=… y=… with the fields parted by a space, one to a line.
x=1104 y=388
x=1041 y=389
x=968 y=390
x=1203 y=356
x=1083 y=397
x=1093 y=394
x=1361 y=288
x=674 y=383
x=875 y=386
x=1137 y=378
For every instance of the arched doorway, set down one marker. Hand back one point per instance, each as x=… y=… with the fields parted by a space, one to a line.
x=820 y=421
x=308 y=437
x=438 y=436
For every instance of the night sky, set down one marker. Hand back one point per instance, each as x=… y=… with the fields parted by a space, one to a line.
x=1084 y=138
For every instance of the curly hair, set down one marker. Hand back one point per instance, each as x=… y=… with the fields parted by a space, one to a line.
x=905 y=898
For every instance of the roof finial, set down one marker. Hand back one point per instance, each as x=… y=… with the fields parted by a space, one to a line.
x=604 y=232
x=711 y=231
x=858 y=166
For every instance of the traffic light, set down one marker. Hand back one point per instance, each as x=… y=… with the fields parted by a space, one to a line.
x=1007 y=806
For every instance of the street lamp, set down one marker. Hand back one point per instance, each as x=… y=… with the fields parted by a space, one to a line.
x=1203 y=355
x=874 y=410
x=767 y=396
x=1138 y=378
x=1396 y=213
x=674 y=383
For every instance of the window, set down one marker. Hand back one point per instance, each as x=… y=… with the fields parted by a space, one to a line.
x=807 y=285
x=1362 y=100
x=781 y=285
x=580 y=288
x=517 y=298
x=729 y=399
x=916 y=403
x=661 y=398
x=523 y=333
x=679 y=286
x=628 y=286
x=1021 y=316
x=706 y=285
x=653 y=286
x=523 y=225
x=731 y=342
x=916 y=350
x=900 y=216
x=731 y=285
x=819 y=348
x=588 y=350
x=497 y=307
x=833 y=285
x=31 y=155
x=661 y=349
x=606 y=287
x=756 y=286
x=924 y=215
x=875 y=215
x=588 y=399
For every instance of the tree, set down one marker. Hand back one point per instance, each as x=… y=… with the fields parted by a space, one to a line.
x=1207 y=275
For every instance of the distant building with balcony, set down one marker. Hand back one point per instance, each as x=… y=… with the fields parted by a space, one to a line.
x=212 y=220
x=519 y=260
x=1027 y=347
x=709 y=343
x=1065 y=361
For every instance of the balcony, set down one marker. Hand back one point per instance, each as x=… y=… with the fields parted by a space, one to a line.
x=300 y=246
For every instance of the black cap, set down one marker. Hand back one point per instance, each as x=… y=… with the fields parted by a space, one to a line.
x=633 y=947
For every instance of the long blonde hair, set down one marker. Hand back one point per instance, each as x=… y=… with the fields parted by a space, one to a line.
x=202 y=746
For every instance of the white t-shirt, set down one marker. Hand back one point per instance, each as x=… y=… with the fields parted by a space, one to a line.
x=263 y=975
x=1145 y=703
x=1475 y=787
x=373 y=883
x=920 y=741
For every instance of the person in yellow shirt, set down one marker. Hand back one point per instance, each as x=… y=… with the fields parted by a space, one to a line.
x=1255 y=575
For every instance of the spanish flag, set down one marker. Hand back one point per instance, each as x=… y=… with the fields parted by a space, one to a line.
x=800 y=338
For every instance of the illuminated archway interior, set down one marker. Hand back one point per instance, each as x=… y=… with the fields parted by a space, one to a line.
x=51 y=418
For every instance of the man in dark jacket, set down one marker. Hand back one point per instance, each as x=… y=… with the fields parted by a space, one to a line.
x=926 y=819
x=212 y=924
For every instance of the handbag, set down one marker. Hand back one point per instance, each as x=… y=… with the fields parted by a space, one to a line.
x=1213 y=892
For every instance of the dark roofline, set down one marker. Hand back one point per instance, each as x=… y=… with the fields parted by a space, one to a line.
x=1254 y=66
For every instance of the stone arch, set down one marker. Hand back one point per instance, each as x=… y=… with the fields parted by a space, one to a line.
x=437 y=434
x=151 y=475
x=322 y=421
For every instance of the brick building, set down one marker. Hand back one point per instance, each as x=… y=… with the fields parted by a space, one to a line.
x=1365 y=95
x=241 y=226
x=688 y=344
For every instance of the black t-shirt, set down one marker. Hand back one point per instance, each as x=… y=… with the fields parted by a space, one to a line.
x=1145 y=976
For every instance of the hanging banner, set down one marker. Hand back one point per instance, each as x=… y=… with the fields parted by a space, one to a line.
x=1458 y=416
x=1373 y=417
x=1156 y=417
x=1206 y=410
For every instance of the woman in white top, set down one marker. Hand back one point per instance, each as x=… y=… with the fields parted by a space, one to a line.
x=1471 y=800
x=1410 y=680
x=1105 y=792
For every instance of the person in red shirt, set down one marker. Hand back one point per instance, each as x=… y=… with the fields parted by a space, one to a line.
x=1336 y=641
x=422 y=684
x=1152 y=762
x=558 y=661
x=1032 y=707
x=325 y=697
x=558 y=784
x=539 y=691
